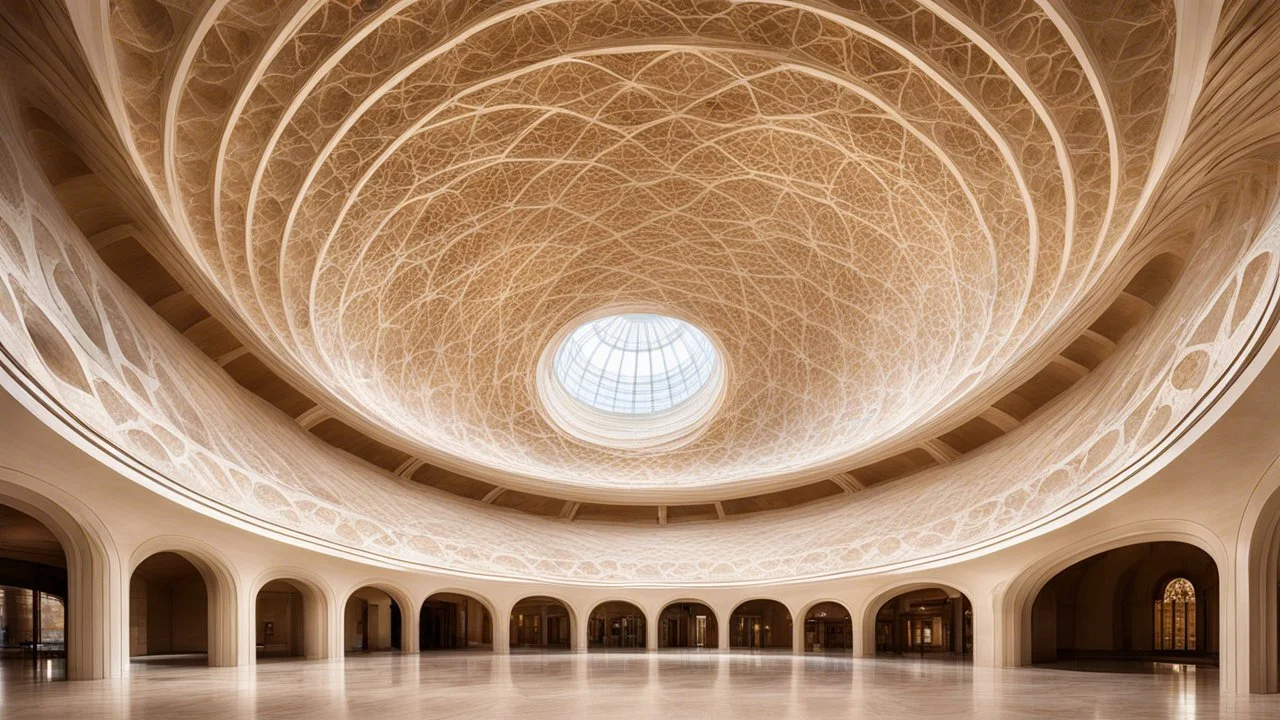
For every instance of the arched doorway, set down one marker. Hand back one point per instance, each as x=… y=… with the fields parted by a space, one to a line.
x=33 y=591
x=828 y=627
x=168 y=611
x=1139 y=604
x=616 y=625
x=688 y=625
x=760 y=625
x=371 y=622
x=541 y=623
x=1257 y=633
x=929 y=622
x=453 y=621
x=283 y=623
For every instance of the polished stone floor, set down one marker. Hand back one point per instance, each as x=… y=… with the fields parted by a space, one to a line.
x=667 y=685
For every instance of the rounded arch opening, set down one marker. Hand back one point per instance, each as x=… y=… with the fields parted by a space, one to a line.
x=95 y=633
x=616 y=625
x=454 y=621
x=928 y=621
x=688 y=625
x=162 y=582
x=33 y=595
x=760 y=624
x=1139 y=605
x=372 y=621
x=828 y=628
x=169 y=611
x=543 y=623
x=289 y=620
x=1256 y=646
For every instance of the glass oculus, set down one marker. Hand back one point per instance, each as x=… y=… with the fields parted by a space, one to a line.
x=632 y=380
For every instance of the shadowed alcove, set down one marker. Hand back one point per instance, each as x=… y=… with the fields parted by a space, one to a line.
x=1138 y=604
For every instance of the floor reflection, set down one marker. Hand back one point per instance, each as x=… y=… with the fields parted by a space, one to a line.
x=177 y=660
x=18 y=667
x=663 y=686
x=1139 y=667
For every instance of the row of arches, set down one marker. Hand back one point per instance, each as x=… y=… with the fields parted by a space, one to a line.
x=169 y=612
x=457 y=621
x=1140 y=622
x=175 y=599
x=1144 y=600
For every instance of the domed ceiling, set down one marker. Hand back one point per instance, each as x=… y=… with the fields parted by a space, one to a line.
x=900 y=226
x=877 y=209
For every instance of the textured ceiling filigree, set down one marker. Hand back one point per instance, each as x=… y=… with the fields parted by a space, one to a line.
x=80 y=340
x=883 y=210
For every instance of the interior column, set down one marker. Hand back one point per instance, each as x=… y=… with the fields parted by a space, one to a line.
x=797 y=636
x=957 y=624
x=502 y=632
x=577 y=632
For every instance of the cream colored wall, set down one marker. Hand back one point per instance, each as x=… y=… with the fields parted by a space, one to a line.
x=189 y=616
x=353 y=624
x=168 y=618
x=476 y=614
x=1200 y=498
x=137 y=617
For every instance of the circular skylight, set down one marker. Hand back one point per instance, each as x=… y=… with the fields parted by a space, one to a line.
x=632 y=380
x=635 y=364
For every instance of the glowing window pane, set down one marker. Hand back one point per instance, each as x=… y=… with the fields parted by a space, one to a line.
x=1175 y=616
x=635 y=364
x=1179 y=589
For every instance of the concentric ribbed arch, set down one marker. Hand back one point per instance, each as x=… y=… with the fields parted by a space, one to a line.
x=911 y=235
x=876 y=356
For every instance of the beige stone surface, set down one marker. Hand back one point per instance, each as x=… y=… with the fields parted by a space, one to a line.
x=881 y=210
x=880 y=226
x=664 y=685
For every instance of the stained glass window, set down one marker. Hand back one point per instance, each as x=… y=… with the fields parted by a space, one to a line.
x=1175 y=616
x=1179 y=590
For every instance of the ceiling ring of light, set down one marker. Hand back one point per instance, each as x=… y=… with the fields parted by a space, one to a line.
x=631 y=379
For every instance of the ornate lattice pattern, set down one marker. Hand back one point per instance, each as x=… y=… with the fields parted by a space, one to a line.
x=878 y=210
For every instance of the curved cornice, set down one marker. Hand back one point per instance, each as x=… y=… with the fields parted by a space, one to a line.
x=97 y=364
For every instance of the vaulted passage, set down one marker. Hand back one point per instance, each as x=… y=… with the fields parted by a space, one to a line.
x=828 y=627
x=453 y=621
x=282 y=621
x=541 y=623
x=1137 y=606
x=929 y=622
x=371 y=622
x=616 y=626
x=687 y=625
x=760 y=625
x=33 y=591
x=168 y=611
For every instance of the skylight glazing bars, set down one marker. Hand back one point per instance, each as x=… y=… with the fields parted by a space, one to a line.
x=635 y=364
